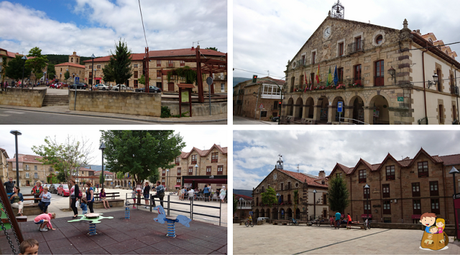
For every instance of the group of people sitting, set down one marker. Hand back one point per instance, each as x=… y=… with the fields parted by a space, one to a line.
x=206 y=192
x=41 y=194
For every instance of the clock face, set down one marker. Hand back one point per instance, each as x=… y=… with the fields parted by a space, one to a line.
x=275 y=176
x=327 y=32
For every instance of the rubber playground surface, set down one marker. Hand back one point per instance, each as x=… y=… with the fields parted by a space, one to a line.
x=138 y=235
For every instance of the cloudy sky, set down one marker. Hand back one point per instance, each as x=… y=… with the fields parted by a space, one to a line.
x=268 y=33
x=256 y=152
x=35 y=135
x=88 y=26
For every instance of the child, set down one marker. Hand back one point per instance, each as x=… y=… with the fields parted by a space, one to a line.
x=44 y=219
x=440 y=224
x=133 y=196
x=84 y=205
x=28 y=247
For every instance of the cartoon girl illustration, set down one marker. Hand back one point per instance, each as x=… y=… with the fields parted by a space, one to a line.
x=440 y=224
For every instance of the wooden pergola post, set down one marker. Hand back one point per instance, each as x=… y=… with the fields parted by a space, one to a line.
x=199 y=79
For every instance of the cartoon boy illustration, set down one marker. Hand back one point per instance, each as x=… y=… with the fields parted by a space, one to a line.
x=428 y=220
x=433 y=237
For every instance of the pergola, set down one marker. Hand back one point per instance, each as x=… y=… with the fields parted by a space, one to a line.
x=207 y=62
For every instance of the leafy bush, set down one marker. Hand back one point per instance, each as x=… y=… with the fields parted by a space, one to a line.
x=165 y=112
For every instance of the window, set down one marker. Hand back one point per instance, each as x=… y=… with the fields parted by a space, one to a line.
x=35 y=168
x=222 y=87
x=390 y=173
x=178 y=171
x=214 y=157
x=340 y=74
x=439 y=73
x=417 y=207
x=339 y=175
x=378 y=39
x=289 y=199
x=136 y=74
x=159 y=75
x=163 y=182
x=27 y=167
x=35 y=176
x=313 y=57
x=386 y=190
x=263 y=189
x=358 y=43
x=163 y=172
x=362 y=176
x=220 y=170
x=27 y=175
x=357 y=74
x=441 y=114
x=434 y=188
x=136 y=83
x=194 y=159
x=136 y=65
x=423 y=169
x=324 y=199
x=366 y=193
x=435 y=206
x=177 y=161
x=178 y=181
x=182 y=63
x=289 y=186
x=386 y=207
x=340 y=49
x=282 y=186
x=190 y=170
x=158 y=63
x=367 y=207
x=303 y=59
x=379 y=78
x=263 y=114
x=416 y=189
x=98 y=66
x=208 y=170
x=170 y=63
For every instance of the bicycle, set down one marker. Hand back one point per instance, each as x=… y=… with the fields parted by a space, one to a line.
x=249 y=222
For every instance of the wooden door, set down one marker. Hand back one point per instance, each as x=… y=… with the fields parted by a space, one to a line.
x=379 y=73
x=170 y=86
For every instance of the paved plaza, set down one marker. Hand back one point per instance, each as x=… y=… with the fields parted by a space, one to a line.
x=274 y=239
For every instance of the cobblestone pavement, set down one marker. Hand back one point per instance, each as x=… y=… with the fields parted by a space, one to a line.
x=273 y=239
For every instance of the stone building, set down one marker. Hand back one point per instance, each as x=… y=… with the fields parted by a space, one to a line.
x=311 y=195
x=400 y=190
x=109 y=178
x=243 y=207
x=3 y=164
x=30 y=169
x=84 y=175
x=197 y=168
x=383 y=76
x=73 y=66
x=259 y=100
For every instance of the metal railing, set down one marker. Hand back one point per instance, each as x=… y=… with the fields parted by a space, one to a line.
x=355 y=47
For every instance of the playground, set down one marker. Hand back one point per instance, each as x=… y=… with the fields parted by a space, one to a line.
x=139 y=234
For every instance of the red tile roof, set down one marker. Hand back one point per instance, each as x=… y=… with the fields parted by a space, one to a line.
x=12 y=55
x=23 y=158
x=71 y=64
x=134 y=57
x=204 y=153
x=301 y=177
x=450 y=160
x=184 y=52
x=86 y=169
x=105 y=172
x=238 y=196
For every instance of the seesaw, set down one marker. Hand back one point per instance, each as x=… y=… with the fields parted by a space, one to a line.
x=93 y=218
x=171 y=223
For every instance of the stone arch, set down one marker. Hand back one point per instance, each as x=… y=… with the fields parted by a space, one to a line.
x=334 y=108
x=323 y=109
x=309 y=108
x=357 y=113
x=267 y=214
x=297 y=213
x=262 y=213
x=298 y=108
x=275 y=213
x=289 y=213
x=290 y=107
x=282 y=214
x=256 y=214
x=379 y=113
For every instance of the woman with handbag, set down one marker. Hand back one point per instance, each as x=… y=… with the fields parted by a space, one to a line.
x=74 y=196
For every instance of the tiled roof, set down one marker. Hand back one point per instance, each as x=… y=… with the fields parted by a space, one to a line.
x=184 y=52
x=12 y=55
x=204 y=153
x=263 y=80
x=71 y=64
x=303 y=177
x=134 y=57
x=238 y=196
x=105 y=172
x=450 y=160
x=23 y=158
x=86 y=169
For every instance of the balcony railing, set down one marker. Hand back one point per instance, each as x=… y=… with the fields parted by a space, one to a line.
x=356 y=47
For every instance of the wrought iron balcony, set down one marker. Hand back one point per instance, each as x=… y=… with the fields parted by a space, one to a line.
x=355 y=47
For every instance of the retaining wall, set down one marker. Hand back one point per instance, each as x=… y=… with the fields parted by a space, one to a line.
x=198 y=109
x=23 y=97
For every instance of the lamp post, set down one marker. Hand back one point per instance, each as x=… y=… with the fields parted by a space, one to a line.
x=196 y=169
x=278 y=203
x=23 y=65
x=454 y=171
x=92 y=71
x=314 y=204
x=16 y=133
x=367 y=201
x=102 y=147
x=167 y=178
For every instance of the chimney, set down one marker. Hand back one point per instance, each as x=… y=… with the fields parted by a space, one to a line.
x=322 y=174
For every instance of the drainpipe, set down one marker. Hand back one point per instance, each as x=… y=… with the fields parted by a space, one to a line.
x=424 y=85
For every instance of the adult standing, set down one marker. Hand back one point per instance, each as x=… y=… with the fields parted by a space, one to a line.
x=74 y=195
x=45 y=200
x=223 y=194
x=17 y=200
x=37 y=190
x=146 y=194
x=206 y=193
x=9 y=186
x=90 y=196
x=337 y=220
x=160 y=193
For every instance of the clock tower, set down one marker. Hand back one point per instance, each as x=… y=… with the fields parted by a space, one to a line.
x=338 y=11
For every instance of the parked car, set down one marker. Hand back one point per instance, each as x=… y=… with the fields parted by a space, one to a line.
x=63 y=190
x=52 y=189
x=78 y=86
x=276 y=119
x=152 y=89
x=55 y=85
x=102 y=87
x=117 y=87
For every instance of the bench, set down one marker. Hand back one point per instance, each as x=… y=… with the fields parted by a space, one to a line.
x=112 y=195
x=112 y=202
x=360 y=225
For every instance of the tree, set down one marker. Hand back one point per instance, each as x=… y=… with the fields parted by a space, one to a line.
x=212 y=48
x=338 y=195
x=269 y=197
x=14 y=68
x=101 y=178
x=142 y=80
x=37 y=63
x=3 y=70
x=235 y=204
x=66 y=74
x=141 y=153
x=66 y=158
x=51 y=71
x=119 y=67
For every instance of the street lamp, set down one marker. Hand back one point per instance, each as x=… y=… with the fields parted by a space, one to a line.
x=102 y=147
x=278 y=203
x=196 y=169
x=367 y=202
x=454 y=171
x=92 y=71
x=23 y=65
x=314 y=204
x=167 y=178
x=16 y=133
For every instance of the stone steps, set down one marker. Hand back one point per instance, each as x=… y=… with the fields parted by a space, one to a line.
x=56 y=100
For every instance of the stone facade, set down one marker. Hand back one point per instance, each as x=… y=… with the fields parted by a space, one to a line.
x=117 y=102
x=249 y=97
x=212 y=162
x=73 y=66
x=3 y=164
x=286 y=184
x=31 y=169
x=23 y=97
x=396 y=187
x=198 y=109
x=363 y=55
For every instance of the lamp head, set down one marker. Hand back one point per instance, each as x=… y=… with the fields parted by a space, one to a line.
x=102 y=147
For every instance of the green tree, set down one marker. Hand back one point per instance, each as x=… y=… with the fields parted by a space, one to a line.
x=119 y=67
x=51 y=71
x=3 y=69
x=66 y=74
x=269 y=197
x=14 y=69
x=296 y=199
x=235 y=204
x=142 y=80
x=66 y=157
x=338 y=194
x=101 y=178
x=212 y=48
x=37 y=63
x=141 y=153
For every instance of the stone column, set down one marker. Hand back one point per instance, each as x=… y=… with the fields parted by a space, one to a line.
x=368 y=115
x=331 y=109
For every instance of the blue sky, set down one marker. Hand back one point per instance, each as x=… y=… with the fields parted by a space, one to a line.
x=93 y=27
x=255 y=152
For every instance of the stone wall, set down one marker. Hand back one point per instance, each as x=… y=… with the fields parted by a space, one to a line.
x=198 y=109
x=23 y=97
x=117 y=102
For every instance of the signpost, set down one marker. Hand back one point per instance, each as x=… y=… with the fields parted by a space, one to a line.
x=209 y=81
x=185 y=97
x=340 y=109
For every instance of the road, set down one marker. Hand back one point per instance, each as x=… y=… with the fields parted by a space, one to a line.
x=237 y=120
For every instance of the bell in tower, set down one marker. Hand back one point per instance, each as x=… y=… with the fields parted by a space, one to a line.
x=279 y=163
x=338 y=11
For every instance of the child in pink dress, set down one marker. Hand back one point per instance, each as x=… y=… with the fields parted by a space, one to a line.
x=44 y=219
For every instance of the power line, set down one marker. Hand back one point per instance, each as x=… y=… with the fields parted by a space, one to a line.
x=143 y=27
